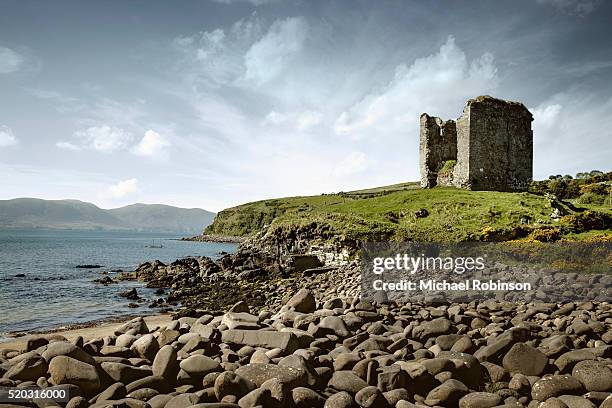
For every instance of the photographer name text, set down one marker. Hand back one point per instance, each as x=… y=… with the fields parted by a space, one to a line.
x=444 y=285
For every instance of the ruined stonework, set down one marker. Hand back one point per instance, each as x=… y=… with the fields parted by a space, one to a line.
x=489 y=147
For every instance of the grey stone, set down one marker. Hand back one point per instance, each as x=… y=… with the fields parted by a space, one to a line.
x=525 y=359
x=124 y=373
x=199 y=365
x=135 y=326
x=553 y=403
x=347 y=381
x=554 y=386
x=260 y=373
x=303 y=301
x=113 y=392
x=183 y=400
x=229 y=383
x=165 y=364
x=64 y=348
x=306 y=398
x=77 y=402
x=258 y=397
x=242 y=320
x=574 y=401
x=146 y=347
x=67 y=370
x=371 y=397
x=447 y=394
x=143 y=394
x=340 y=400
x=287 y=342
x=29 y=369
x=480 y=400
x=594 y=375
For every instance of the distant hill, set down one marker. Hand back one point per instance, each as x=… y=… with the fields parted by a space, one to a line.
x=74 y=214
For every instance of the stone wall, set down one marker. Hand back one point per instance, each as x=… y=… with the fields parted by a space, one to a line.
x=491 y=142
x=438 y=144
x=500 y=145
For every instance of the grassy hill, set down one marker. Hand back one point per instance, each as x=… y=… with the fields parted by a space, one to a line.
x=406 y=212
x=74 y=214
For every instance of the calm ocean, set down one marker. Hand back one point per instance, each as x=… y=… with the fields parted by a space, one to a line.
x=54 y=293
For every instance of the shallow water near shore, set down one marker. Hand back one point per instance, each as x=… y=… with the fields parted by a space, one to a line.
x=54 y=293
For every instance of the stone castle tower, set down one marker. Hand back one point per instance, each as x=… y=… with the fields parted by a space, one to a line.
x=490 y=147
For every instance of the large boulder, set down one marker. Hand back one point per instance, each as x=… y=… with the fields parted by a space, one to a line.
x=146 y=347
x=260 y=373
x=303 y=301
x=525 y=359
x=68 y=370
x=286 y=341
x=124 y=373
x=594 y=375
x=64 y=348
x=165 y=364
x=229 y=383
x=447 y=394
x=554 y=386
x=134 y=326
x=199 y=365
x=29 y=369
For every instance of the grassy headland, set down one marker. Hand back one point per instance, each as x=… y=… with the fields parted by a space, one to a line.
x=442 y=214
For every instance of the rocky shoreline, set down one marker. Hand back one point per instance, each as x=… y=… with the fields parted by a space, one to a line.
x=214 y=238
x=336 y=354
x=255 y=330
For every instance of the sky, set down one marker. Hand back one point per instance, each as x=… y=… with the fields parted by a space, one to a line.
x=214 y=103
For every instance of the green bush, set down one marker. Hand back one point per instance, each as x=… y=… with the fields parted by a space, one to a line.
x=586 y=221
x=592 y=198
x=595 y=188
x=565 y=187
x=545 y=234
x=447 y=167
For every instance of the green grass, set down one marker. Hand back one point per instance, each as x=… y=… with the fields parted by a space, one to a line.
x=388 y=213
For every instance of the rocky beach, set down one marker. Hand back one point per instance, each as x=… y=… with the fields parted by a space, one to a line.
x=252 y=329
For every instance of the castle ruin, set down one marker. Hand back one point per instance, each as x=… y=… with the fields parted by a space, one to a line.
x=490 y=147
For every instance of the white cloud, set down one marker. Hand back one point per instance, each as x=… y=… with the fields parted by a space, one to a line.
x=546 y=116
x=355 y=162
x=7 y=137
x=103 y=138
x=441 y=81
x=573 y=7
x=248 y=53
x=300 y=121
x=152 y=144
x=123 y=188
x=68 y=146
x=62 y=103
x=10 y=60
x=570 y=133
x=268 y=57
x=253 y=2
x=306 y=120
x=216 y=57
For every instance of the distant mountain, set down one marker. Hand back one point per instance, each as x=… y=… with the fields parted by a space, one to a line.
x=74 y=214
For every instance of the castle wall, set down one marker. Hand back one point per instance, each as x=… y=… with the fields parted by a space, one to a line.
x=492 y=143
x=500 y=145
x=437 y=144
x=461 y=173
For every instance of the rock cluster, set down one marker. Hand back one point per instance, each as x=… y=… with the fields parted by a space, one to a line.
x=255 y=276
x=337 y=354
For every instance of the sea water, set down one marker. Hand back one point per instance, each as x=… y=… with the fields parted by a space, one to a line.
x=54 y=293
